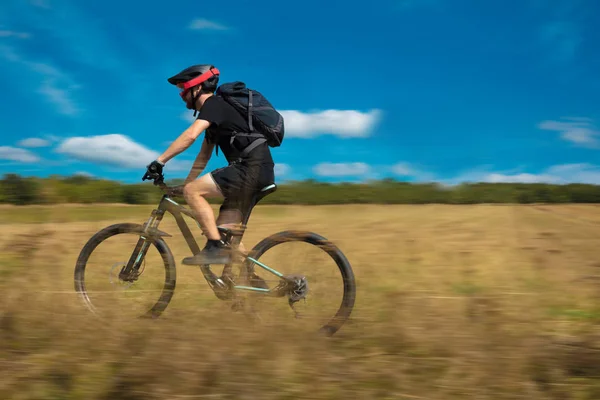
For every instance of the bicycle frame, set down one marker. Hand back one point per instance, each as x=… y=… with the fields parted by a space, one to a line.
x=178 y=212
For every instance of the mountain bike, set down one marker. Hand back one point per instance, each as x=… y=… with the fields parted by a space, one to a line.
x=294 y=287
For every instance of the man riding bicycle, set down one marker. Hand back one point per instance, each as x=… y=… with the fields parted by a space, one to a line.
x=250 y=168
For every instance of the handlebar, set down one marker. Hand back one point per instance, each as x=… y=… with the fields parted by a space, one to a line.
x=158 y=180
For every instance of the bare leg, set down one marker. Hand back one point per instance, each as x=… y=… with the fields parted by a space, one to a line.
x=194 y=193
x=231 y=218
x=214 y=252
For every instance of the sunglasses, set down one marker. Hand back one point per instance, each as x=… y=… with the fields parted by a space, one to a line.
x=184 y=92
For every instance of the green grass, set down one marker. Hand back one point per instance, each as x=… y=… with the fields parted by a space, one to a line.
x=100 y=212
x=78 y=213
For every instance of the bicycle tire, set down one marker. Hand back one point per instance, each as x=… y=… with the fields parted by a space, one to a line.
x=349 y=297
x=126 y=228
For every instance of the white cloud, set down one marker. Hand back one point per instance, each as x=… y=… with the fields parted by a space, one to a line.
x=16 y=154
x=84 y=173
x=59 y=97
x=341 y=169
x=563 y=169
x=402 y=169
x=576 y=173
x=188 y=116
x=52 y=138
x=205 y=24
x=55 y=85
x=520 y=178
x=475 y=174
x=20 y=35
x=405 y=169
x=580 y=131
x=342 y=123
x=282 y=169
x=34 y=142
x=556 y=174
x=114 y=150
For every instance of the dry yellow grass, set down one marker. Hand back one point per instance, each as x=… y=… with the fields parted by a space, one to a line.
x=453 y=302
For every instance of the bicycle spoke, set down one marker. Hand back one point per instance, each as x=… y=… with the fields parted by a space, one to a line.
x=104 y=291
x=305 y=264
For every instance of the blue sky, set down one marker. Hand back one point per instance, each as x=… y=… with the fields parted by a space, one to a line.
x=416 y=90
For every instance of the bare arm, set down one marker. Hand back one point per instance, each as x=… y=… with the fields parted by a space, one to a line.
x=201 y=161
x=184 y=141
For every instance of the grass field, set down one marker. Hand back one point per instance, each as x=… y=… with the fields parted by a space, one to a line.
x=453 y=302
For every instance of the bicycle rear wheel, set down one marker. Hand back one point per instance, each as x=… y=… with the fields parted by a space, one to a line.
x=331 y=292
x=148 y=296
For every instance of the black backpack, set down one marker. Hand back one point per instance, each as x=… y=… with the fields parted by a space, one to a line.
x=264 y=121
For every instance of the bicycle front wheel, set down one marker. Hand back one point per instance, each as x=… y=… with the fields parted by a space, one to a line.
x=97 y=270
x=326 y=294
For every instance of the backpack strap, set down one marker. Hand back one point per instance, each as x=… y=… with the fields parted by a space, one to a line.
x=236 y=133
x=259 y=140
x=260 y=137
x=252 y=146
x=250 y=111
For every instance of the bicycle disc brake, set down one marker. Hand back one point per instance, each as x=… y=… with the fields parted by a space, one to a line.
x=115 y=278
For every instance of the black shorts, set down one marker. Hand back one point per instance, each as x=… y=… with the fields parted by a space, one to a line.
x=240 y=182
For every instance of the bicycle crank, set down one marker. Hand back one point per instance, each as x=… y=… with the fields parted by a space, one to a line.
x=218 y=285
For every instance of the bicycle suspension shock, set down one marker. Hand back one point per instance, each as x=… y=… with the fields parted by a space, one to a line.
x=129 y=272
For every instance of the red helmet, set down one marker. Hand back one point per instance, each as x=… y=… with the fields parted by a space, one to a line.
x=193 y=76
x=205 y=75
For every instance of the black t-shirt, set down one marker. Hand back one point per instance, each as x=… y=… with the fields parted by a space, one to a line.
x=225 y=119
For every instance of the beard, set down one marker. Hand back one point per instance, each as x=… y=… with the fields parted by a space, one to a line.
x=189 y=105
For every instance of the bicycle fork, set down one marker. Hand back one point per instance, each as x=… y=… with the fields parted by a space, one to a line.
x=130 y=272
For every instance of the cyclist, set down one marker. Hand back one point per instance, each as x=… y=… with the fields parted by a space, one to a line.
x=250 y=168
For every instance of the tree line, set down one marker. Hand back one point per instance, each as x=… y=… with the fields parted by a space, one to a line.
x=15 y=189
